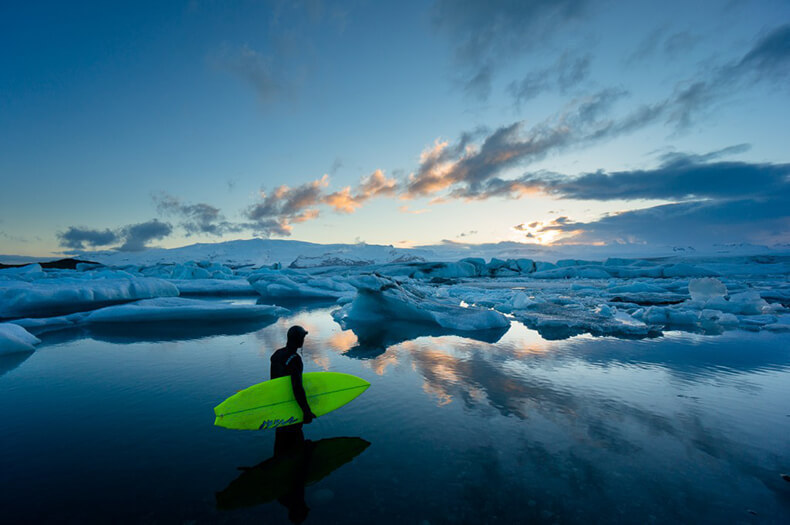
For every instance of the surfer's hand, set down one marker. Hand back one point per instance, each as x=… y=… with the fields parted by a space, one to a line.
x=308 y=417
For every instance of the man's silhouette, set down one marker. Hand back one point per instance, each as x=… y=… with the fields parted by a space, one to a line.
x=289 y=440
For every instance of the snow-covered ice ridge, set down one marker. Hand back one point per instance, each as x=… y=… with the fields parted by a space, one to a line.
x=618 y=296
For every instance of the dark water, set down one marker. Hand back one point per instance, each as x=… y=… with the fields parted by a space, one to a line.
x=117 y=426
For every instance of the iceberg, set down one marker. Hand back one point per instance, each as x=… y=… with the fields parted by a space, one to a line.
x=380 y=299
x=180 y=309
x=374 y=338
x=47 y=296
x=291 y=283
x=555 y=321
x=214 y=287
x=14 y=338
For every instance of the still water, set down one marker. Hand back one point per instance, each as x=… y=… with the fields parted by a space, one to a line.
x=117 y=426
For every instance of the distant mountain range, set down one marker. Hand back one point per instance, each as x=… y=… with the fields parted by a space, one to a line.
x=300 y=254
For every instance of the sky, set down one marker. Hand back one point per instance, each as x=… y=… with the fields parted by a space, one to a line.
x=128 y=125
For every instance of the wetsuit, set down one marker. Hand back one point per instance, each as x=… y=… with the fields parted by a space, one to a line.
x=286 y=362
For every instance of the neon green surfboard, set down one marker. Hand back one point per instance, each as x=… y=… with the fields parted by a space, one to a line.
x=271 y=404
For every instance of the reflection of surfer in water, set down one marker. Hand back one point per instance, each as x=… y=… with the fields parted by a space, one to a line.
x=289 y=441
x=297 y=462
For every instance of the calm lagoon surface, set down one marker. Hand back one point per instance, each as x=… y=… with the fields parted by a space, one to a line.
x=117 y=426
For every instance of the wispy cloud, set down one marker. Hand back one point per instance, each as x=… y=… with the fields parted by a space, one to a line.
x=257 y=69
x=376 y=184
x=566 y=74
x=198 y=218
x=406 y=209
x=662 y=42
x=471 y=171
x=485 y=34
x=465 y=168
x=278 y=210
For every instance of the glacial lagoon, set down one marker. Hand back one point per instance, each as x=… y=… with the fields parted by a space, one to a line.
x=116 y=425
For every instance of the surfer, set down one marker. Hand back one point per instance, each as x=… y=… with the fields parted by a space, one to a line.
x=287 y=362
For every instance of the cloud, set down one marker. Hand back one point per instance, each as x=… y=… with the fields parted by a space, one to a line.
x=254 y=68
x=465 y=168
x=278 y=210
x=679 y=43
x=680 y=178
x=718 y=202
x=470 y=171
x=198 y=218
x=763 y=220
x=661 y=41
x=770 y=56
x=76 y=238
x=405 y=209
x=374 y=185
x=767 y=60
x=485 y=34
x=14 y=238
x=567 y=73
x=336 y=165
x=137 y=236
x=134 y=237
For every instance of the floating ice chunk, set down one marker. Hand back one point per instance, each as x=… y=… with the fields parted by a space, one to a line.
x=290 y=283
x=606 y=311
x=636 y=271
x=706 y=289
x=568 y=272
x=744 y=303
x=661 y=315
x=525 y=265
x=710 y=318
x=381 y=299
x=179 y=309
x=781 y=296
x=782 y=324
x=214 y=287
x=187 y=270
x=477 y=262
x=521 y=300
x=564 y=263
x=53 y=296
x=39 y=325
x=637 y=288
x=29 y=272
x=446 y=270
x=687 y=270
x=541 y=266
x=14 y=338
x=555 y=321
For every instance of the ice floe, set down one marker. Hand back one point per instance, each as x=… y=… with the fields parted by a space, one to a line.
x=14 y=338
x=622 y=297
x=292 y=283
x=177 y=309
x=52 y=294
x=381 y=298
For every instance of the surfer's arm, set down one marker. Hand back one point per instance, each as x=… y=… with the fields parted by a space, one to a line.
x=301 y=397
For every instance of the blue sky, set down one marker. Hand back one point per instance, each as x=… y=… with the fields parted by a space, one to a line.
x=408 y=123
